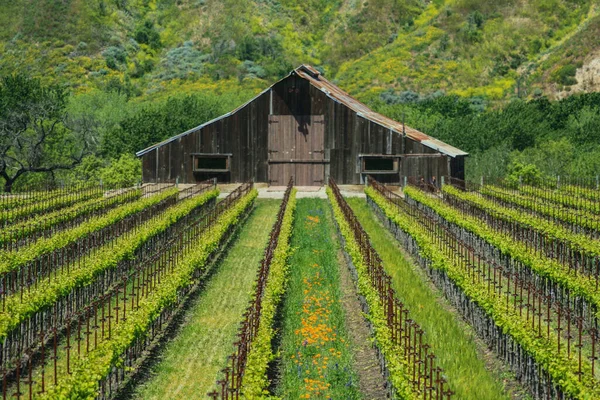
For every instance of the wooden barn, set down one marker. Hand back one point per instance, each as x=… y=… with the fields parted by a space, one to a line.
x=302 y=126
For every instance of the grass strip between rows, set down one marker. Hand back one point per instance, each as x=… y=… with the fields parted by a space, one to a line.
x=46 y=221
x=11 y=260
x=561 y=368
x=255 y=381
x=318 y=359
x=87 y=372
x=454 y=344
x=578 y=285
x=568 y=215
x=47 y=293
x=397 y=365
x=211 y=322
x=576 y=241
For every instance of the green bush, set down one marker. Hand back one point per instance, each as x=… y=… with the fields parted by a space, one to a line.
x=146 y=33
x=114 y=56
x=519 y=173
x=566 y=75
x=183 y=62
x=152 y=124
x=123 y=172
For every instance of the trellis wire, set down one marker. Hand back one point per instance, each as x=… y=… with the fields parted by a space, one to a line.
x=576 y=260
x=14 y=236
x=44 y=267
x=23 y=338
x=577 y=220
x=543 y=307
x=91 y=319
x=406 y=333
x=230 y=385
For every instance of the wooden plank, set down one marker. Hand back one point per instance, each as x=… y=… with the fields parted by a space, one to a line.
x=175 y=156
x=163 y=164
x=149 y=166
x=302 y=132
x=299 y=161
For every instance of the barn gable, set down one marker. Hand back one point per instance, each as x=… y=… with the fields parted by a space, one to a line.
x=302 y=126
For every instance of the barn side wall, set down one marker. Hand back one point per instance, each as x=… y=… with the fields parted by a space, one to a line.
x=244 y=135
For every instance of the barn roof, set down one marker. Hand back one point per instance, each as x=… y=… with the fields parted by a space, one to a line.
x=335 y=93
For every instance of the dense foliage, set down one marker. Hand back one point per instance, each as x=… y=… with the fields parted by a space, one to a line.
x=561 y=368
x=142 y=71
x=528 y=138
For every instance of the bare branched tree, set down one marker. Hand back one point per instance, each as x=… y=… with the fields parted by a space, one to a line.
x=35 y=133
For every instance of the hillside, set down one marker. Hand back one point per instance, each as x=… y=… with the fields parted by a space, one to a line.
x=139 y=71
x=472 y=48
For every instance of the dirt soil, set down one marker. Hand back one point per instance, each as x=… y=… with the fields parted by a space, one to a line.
x=371 y=381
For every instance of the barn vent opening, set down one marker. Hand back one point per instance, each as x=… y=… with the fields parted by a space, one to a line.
x=379 y=164
x=212 y=162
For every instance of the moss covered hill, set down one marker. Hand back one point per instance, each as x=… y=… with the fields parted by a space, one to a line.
x=487 y=48
x=159 y=45
x=468 y=47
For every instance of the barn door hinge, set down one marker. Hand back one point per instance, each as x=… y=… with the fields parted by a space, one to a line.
x=319 y=180
x=319 y=151
x=273 y=151
x=319 y=122
x=273 y=180
x=273 y=122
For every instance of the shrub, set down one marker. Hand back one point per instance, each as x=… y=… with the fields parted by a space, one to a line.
x=182 y=63
x=476 y=19
x=249 y=69
x=123 y=172
x=566 y=75
x=527 y=174
x=391 y=97
x=146 y=33
x=113 y=56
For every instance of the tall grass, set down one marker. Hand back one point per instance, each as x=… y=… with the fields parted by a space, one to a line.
x=316 y=355
x=190 y=365
x=453 y=342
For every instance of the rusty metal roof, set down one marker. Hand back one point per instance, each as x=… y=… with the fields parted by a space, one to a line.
x=316 y=79
x=335 y=93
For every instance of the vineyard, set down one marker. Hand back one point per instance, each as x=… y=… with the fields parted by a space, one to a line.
x=469 y=291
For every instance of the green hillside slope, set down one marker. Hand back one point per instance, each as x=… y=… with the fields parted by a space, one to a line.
x=472 y=48
x=140 y=71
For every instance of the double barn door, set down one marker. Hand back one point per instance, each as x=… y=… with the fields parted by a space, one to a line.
x=297 y=148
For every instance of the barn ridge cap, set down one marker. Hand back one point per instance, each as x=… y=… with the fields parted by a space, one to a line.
x=334 y=92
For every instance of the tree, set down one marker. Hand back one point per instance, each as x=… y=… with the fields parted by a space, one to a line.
x=122 y=172
x=158 y=122
x=583 y=126
x=35 y=133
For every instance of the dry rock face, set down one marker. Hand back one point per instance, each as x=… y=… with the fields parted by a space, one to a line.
x=588 y=76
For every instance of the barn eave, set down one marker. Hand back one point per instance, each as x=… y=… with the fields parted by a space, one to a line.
x=336 y=94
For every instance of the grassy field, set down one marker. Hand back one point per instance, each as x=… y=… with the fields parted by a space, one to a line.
x=191 y=363
x=317 y=359
x=453 y=342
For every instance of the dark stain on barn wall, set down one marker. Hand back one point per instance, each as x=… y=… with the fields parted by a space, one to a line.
x=242 y=137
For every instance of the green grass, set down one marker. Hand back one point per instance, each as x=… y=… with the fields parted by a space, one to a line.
x=452 y=341
x=317 y=359
x=191 y=364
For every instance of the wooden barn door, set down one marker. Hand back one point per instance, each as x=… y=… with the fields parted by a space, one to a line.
x=297 y=148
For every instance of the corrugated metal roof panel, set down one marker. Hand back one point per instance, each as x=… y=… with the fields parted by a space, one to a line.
x=362 y=110
x=332 y=91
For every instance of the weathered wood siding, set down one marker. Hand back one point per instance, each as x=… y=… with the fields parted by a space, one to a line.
x=244 y=134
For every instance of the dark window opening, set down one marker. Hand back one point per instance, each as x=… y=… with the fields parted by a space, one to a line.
x=212 y=163
x=379 y=164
